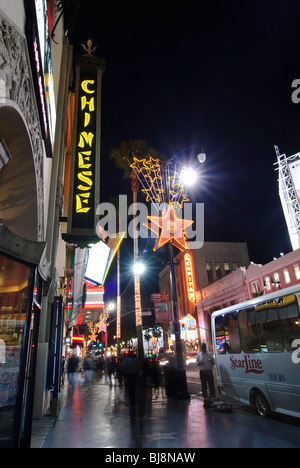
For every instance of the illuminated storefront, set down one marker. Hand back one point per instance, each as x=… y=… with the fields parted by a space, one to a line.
x=20 y=306
x=189 y=333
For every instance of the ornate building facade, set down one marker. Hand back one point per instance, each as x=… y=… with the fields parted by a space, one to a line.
x=34 y=89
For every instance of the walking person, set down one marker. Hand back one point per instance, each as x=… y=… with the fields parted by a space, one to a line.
x=111 y=367
x=62 y=371
x=130 y=369
x=72 y=369
x=89 y=367
x=206 y=362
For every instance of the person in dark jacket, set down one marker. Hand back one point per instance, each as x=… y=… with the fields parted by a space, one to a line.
x=72 y=369
x=130 y=371
x=88 y=367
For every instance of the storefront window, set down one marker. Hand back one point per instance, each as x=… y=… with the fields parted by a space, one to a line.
x=15 y=288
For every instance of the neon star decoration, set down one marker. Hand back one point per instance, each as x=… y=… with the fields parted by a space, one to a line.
x=94 y=330
x=178 y=193
x=172 y=229
x=149 y=174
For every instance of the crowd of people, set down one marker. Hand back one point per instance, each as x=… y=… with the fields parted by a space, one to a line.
x=127 y=370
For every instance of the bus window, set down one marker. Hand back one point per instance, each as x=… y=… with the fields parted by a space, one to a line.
x=248 y=331
x=269 y=328
x=290 y=320
x=232 y=334
x=220 y=335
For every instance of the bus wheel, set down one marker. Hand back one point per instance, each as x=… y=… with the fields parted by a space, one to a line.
x=261 y=405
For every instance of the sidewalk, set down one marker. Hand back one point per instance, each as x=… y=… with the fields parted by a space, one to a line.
x=105 y=420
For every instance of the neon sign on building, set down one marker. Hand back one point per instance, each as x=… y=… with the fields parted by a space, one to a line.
x=85 y=150
x=85 y=119
x=190 y=277
x=84 y=204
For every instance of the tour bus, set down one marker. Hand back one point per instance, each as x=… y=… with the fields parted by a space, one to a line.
x=257 y=350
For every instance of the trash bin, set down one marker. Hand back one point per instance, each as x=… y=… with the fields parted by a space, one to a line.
x=170 y=381
x=176 y=384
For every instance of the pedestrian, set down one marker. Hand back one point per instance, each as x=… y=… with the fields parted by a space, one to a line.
x=206 y=362
x=111 y=367
x=72 y=369
x=119 y=376
x=62 y=371
x=130 y=370
x=155 y=376
x=88 y=367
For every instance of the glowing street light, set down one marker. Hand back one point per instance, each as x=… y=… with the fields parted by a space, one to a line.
x=188 y=176
x=139 y=268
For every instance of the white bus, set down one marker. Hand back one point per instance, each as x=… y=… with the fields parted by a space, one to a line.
x=256 y=350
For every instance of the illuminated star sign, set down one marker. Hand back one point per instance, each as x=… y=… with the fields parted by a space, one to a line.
x=172 y=229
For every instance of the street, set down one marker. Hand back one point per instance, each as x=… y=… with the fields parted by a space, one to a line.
x=192 y=372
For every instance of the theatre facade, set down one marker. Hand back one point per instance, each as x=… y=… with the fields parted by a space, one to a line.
x=31 y=69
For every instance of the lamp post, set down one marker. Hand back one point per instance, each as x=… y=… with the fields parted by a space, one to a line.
x=165 y=189
x=137 y=284
x=187 y=177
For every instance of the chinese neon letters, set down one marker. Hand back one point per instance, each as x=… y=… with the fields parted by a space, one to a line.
x=86 y=141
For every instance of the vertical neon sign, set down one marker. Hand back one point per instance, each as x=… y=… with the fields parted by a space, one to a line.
x=190 y=277
x=84 y=177
x=85 y=147
x=86 y=143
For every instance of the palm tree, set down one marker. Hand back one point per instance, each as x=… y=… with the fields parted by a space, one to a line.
x=123 y=158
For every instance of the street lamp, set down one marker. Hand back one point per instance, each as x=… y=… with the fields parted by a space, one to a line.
x=201 y=158
x=139 y=268
x=188 y=176
x=166 y=189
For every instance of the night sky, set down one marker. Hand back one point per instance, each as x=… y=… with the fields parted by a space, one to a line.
x=217 y=73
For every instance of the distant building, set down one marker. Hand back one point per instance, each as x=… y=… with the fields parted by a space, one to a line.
x=244 y=284
x=281 y=273
x=197 y=269
x=227 y=291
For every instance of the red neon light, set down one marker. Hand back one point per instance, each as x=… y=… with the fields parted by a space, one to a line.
x=190 y=277
x=78 y=338
x=95 y=289
x=94 y=306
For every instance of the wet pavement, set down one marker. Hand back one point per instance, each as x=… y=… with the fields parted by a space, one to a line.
x=104 y=419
